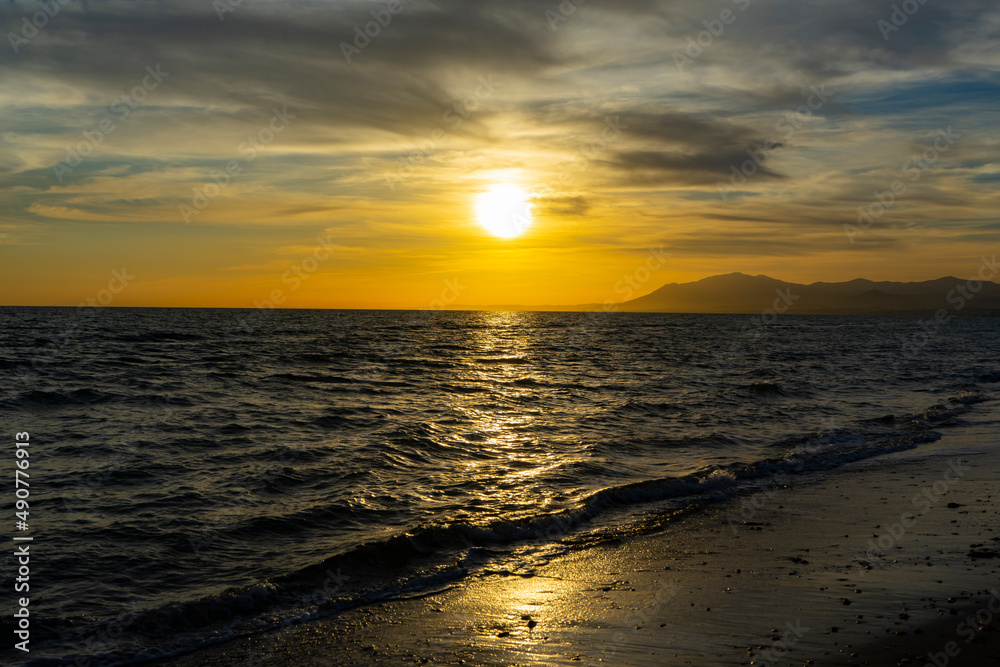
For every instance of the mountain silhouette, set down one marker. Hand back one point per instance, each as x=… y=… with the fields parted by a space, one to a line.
x=741 y=293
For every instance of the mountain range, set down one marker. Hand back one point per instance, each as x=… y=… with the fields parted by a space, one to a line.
x=742 y=293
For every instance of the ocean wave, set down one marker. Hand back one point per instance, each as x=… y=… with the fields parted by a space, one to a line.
x=970 y=397
x=417 y=553
x=765 y=388
x=499 y=361
x=306 y=594
x=318 y=379
x=651 y=409
x=159 y=337
x=432 y=455
x=36 y=397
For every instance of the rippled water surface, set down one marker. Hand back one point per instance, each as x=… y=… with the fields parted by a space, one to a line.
x=198 y=474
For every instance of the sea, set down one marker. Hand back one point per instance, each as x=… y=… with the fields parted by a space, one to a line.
x=198 y=475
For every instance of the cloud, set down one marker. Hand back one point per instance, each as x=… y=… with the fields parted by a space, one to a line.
x=566 y=206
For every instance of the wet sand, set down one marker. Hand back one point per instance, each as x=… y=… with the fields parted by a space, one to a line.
x=868 y=565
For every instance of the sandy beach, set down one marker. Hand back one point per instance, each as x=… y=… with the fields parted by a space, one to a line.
x=867 y=565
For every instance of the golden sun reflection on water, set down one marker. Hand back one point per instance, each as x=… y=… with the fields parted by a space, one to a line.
x=511 y=454
x=524 y=610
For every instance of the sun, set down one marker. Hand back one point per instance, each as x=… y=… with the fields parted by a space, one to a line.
x=504 y=210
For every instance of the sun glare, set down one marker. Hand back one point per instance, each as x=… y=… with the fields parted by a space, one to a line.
x=504 y=210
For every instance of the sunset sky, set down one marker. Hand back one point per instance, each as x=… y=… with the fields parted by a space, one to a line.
x=233 y=153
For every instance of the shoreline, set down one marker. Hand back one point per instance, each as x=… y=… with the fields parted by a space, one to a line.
x=797 y=581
